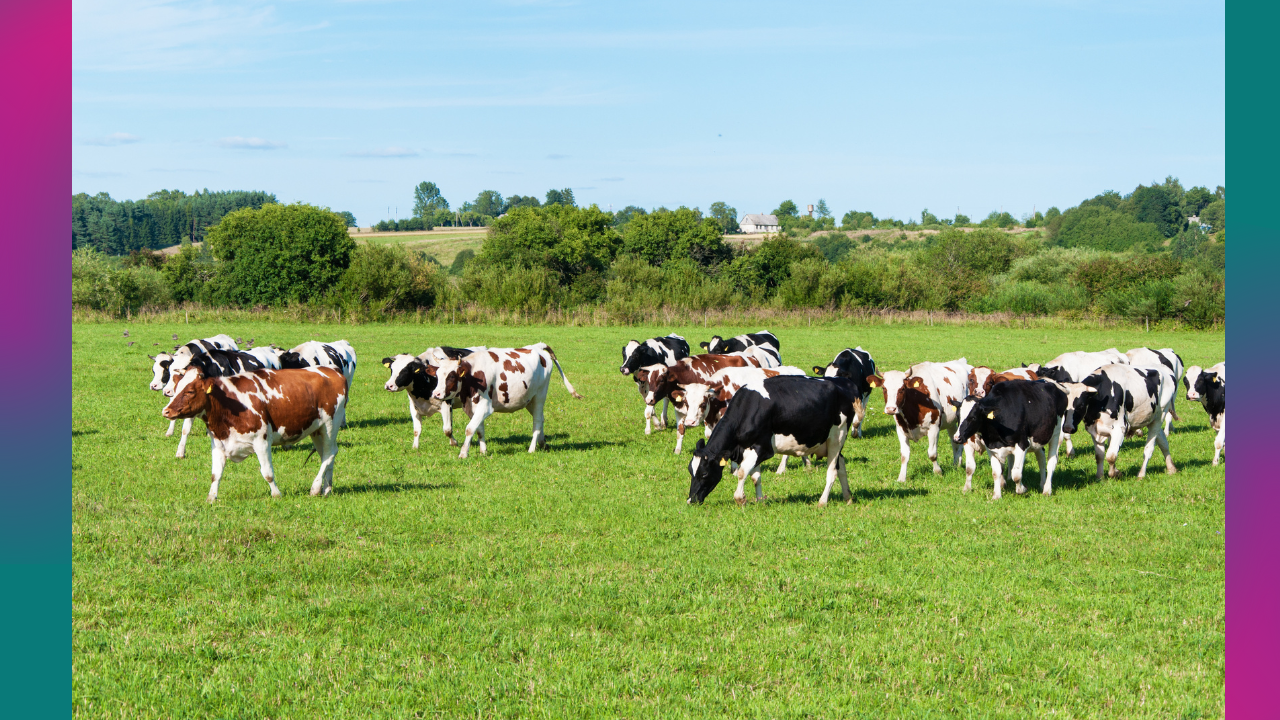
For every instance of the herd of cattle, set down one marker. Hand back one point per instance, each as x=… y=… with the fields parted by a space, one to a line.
x=751 y=406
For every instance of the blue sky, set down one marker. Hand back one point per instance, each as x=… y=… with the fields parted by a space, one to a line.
x=888 y=107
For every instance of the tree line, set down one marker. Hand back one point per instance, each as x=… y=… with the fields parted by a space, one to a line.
x=164 y=218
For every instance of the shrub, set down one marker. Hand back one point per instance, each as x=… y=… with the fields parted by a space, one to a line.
x=97 y=284
x=388 y=277
x=1200 y=298
x=510 y=288
x=1100 y=227
x=1110 y=272
x=669 y=234
x=278 y=254
x=189 y=273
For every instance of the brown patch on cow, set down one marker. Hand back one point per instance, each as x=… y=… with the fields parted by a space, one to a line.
x=513 y=355
x=493 y=355
x=946 y=379
x=474 y=384
x=305 y=394
x=523 y=351
x=502 y=388
x=542 y=360
x=431 y=370
x=510 y=366
x=915 y=409
x=771 y=373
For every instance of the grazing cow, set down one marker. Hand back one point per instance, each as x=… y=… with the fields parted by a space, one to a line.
x=250 y=412
x=500 y=380
x=921 y=402
x=705 y=402
x=656 y=351
x=1015 y=416
x=1209 y=387
x=719 y=346
x=1164 y=358
x=857 y=365
x=1127 y=399
x=162 y=373
x=789 y=415
x=417 y=376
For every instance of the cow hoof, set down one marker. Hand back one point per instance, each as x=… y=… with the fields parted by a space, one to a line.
x=1021 y=490
x=740 y=500
x=213 y=498
x=1047 y=492
x=462 y=456
x=1215 y=462
x=1171 y=470
x=169 y=434
x=276 y=494
x=822 y=503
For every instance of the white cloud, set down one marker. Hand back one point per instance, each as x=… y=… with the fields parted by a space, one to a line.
x=119 y=138
x=393 y=151
x=250 y=143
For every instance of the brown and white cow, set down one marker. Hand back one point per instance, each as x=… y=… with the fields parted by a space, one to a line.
x=500 y=380
x=417 y=376
x=981 y=378
x=250 y=412
x=921 y=402
x=162 y=370
x=659 y=381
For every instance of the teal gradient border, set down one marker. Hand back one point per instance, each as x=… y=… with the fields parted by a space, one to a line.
x=1253 y=343
x=35 y=462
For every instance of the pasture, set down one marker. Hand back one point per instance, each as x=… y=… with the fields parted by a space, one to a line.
x=443 y=245
x=576 y=582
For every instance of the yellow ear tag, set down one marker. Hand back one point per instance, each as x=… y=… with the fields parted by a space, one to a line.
x=991 y=415
x=386 y=365
x=208 y=390
x=723 y=462
x=462 y=372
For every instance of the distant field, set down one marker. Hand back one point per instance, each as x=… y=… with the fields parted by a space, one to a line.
x=444 y=246
x=576 y=582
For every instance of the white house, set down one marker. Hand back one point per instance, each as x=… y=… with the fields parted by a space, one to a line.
x=759 y=224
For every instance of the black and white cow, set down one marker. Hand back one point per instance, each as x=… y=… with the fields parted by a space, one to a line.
x=656 y=351
x=416 y=375
x=787 y=414
x=1208 y=386
x=1015 y=416
x=1167 y=359
x=857 y=365
x=719 y=346
x=338 y=355
x=162 y=371
x=1075 y=367
x=1127 y=399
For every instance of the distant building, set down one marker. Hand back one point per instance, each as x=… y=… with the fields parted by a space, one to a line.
x=760 y=224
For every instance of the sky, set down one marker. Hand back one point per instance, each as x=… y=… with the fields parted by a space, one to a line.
x=887 y=107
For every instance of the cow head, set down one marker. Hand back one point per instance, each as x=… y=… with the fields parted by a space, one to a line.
x=711 y=345
x=190 y=395
x=454 y=377
x=705 y=472
x=1189 y=381
x=655 y=383
x=160 y=370
x=1079 y=396
x=408 y=371
x=293 y=360
x=1206 y=383
x=896 y=385
x=980 y=380
x=627 y=352
x=972 y=412
x=1054 y=372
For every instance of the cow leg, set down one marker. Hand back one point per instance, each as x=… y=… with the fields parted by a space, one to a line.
x=1015 y=468
x=262 y=448
x=997 y=473
x=662 y=419
x=648 y=419
x=759 y=486
x=479 y=411
x=326 y=443
x=1113 y=449
x=1070 y=450
x=417 y=421
x=680 y=427
x=1220 y=441
x=1046 y=485
x=446 y=421
x=782 y=466
x=970 y=465
x=539 y=438
x=170 y=431
x=1099 y=453
x=218 y=463
x=933 y=431
x=904 y=448
x=1163 y=443
x=859 y=412
x=182 y=442
x=746 y=468
x=1149 y=447
x=844 y=480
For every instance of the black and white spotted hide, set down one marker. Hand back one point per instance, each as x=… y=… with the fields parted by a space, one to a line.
x=1128 y=399
x=1014 y=417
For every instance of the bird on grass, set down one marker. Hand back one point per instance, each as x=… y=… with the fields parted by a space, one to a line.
x=175 y=337
x=126 y=333
x=130 y=344
x=239 y=340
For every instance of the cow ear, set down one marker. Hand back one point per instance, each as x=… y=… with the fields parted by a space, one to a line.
x=875 y=380
x=386 y=362
x=701 y=444
x=151 y=356
x=818 y=370
x=915 y=382
x=955 y=403
x=724 y=461
x=678 y=397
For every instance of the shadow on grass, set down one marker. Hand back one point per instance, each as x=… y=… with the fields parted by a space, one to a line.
x=78 y=433
x=874 y=432
x=391 y=487
x=837 y=498
x=379 y=422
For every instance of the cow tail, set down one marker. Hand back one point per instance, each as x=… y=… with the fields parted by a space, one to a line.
x=567 y=386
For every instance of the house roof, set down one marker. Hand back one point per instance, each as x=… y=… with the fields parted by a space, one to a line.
x=760 y=219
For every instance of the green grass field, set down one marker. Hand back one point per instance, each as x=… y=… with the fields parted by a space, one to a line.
x=577 y=583
x=444 y=247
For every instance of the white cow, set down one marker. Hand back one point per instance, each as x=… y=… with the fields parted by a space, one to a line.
x=500 y=380
x=417 y=376
x=1127 y=399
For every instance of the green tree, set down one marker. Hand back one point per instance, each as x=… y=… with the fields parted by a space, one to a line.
x=278 y=254
x=427 y=199
x=725 y=215
x=962 y=219
x=928 y=218
x=786 y=209
x=1215 y=215
x=516 y=201
x=489 y=202
x=821 y=209
x=670 y=234
x=1157 y=205
x=566 y=239
x=854 y=220
x=348 y=218
x=1102 y=228
x=561 y=197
